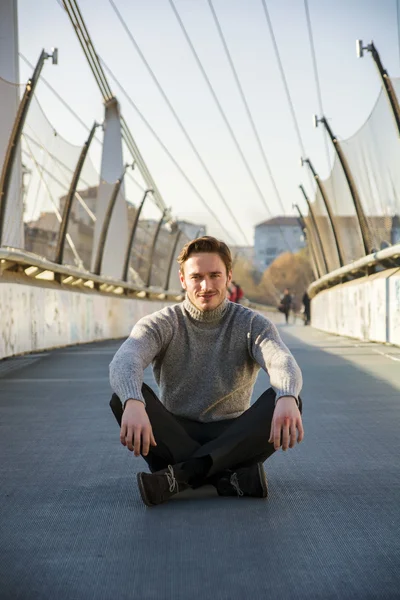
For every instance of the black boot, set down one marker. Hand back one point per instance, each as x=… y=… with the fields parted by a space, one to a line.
x=245 y=481
x=156 y=488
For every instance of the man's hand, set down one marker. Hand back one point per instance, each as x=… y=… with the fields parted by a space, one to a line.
x=136 y=432
x=286 y=421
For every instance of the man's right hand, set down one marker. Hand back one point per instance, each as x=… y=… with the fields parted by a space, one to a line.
x=136 y=431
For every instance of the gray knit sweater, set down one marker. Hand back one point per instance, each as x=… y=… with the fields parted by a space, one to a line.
x=205 y=363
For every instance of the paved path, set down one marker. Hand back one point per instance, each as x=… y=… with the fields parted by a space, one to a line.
x=73 y=527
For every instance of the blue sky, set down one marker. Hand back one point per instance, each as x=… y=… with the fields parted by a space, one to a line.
x=349 y=88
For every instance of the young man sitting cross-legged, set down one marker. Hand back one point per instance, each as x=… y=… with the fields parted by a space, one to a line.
x=206 y=353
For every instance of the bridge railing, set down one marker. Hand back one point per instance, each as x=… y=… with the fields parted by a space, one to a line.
x=356 y=210
x=27 y=267
x=373 y=156
x=387 y=258
x=50 y=203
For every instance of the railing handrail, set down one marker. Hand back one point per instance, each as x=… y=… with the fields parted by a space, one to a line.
x=10 y=257
x=358 y=268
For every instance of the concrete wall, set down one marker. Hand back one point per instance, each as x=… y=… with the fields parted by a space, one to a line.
x=36 y=318
x=38 y=315
x=366 y=309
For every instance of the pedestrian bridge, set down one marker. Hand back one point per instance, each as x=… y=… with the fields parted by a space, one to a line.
x=85 y=251
x=73 y=524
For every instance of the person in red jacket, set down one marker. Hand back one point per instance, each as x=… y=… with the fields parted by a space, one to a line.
x=239 y=293
x=232 y=292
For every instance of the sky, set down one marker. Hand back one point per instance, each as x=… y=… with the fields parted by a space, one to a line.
x=349 y=88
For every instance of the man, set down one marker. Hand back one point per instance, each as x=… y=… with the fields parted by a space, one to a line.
x=239 y=292
x=206 y=353
x=307 y=308
x=286 y=303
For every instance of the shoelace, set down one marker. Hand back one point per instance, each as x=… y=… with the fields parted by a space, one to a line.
x=172 y=482
x=235 y=484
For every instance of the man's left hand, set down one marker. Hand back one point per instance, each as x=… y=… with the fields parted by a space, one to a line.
x=286 y=424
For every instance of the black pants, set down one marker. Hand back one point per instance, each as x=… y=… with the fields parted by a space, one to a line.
x=231 y=443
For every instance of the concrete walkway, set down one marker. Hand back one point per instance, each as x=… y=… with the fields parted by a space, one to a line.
x=73 y=526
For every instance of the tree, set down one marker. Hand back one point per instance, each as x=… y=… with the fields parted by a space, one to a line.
x=291 y=271
x=288 y=270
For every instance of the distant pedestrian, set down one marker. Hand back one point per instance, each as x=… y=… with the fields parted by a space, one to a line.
x=232 y=292
x=286 y=303
x=307 y=308
x=239 y=293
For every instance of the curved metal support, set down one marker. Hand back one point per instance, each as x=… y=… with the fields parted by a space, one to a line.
x=70 y=197
x=315 y=226
x=328 y=209
x=362 y=220
x=310 y=242
x=132 y=237
x=386 y=82
x=171 y=259
x=106 y=224
x=153 y=247
x=16 y=134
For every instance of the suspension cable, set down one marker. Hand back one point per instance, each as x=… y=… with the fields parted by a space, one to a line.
x=167 y=152
x=318 y=86
x=220 y=109
x=286 y=87
x=226 y=121
x=246 y=105
x=82 y=33
x=179 y=122
x=87 y=47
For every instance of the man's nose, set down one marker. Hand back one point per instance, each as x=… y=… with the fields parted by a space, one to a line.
x=204 y=284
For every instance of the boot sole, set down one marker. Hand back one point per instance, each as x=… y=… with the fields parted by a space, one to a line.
x=263 y=480
x=143 y=491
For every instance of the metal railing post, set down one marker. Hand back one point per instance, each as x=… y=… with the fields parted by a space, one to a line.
x=70 y=197
x=106 y=224
x=171 y=258
x=304 y=229
x=16 y=132
x=328 y=209
x=315 y=226
x=132 y=237
x=153 y=247
x=386 y=82
x=362 y=221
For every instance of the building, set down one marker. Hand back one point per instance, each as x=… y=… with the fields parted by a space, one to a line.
x=275 y=236
x=243 y=252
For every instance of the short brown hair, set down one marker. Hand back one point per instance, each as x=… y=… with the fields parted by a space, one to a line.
x=206 y=244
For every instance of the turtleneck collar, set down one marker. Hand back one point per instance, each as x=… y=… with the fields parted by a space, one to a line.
x=206 y=316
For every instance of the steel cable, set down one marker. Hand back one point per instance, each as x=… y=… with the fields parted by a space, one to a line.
x=167 y=152
x=178 y=120
x=246 y=105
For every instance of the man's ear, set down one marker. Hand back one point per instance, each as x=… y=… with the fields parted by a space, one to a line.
x=182 y=279
x=229 y=278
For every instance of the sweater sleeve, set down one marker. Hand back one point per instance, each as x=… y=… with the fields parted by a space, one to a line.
x=269 y=351
x=149 y=338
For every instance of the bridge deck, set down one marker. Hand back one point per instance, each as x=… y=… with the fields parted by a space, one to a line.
x=73 y=525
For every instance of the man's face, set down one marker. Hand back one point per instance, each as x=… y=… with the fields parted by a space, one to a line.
x=205 y=280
